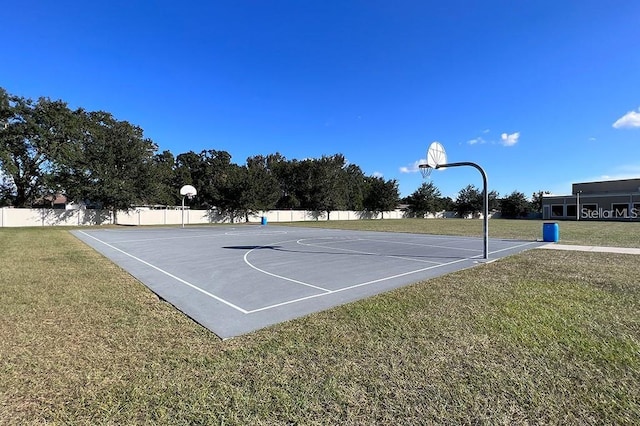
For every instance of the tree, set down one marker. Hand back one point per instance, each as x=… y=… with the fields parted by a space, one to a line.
x=515 y=205
x=426 y=199
x=261 y=191
x=165 y=184
x=186 y=166
x=447 y=204
x=328 y=184
x=493 y=199
x=303 y=177
x=32 y=134
x=5 y=108
x=6 y=191
x=233 y=189
x=381 y=195
x=469 y=201
x=356 y=187
x=111 y=165
x=209 y=172
x=536 y=201
x=284 y=172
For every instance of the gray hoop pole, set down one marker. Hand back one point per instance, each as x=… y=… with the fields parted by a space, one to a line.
x=183 y=210
x=485 y=195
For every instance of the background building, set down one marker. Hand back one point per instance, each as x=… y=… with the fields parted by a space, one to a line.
x=606 y=200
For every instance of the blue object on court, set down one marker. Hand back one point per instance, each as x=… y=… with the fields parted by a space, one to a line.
x=550 y=232
x=264 y=220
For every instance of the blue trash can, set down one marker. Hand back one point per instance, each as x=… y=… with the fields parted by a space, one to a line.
x=264 y=220
x=550 y=232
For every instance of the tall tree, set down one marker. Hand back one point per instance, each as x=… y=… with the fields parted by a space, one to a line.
x=515 y=205
x=6 y=185
x=536 y=201
x=356 y=187
x=209 y=172
x=233 y=189
x=494 y=201
x=112 y=165
x=425 y=200
x=284 y=172
x=469 y=201
x=381 y=195
x=186 y=169
x=6 y=191
x=329 y=184
x=303 y=175
x=31 y=136
x=165 y=184
x=262 y=190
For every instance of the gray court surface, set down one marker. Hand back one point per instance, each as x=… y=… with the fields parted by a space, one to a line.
x=236 y=279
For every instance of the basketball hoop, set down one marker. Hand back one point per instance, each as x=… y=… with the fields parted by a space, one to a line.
x=187 y=191
x=425 y=170
x=436 y=157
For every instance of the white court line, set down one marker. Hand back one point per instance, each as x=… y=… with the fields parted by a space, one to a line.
x=358 y=285
x=264 y=308
x=428 y=245
x=391 y=256
x=255 y=232
x=183 y=237
x=251 y=265
x=213 y=296
x=325 y=292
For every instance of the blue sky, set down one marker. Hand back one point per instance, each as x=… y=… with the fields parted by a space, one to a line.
x=539 y=93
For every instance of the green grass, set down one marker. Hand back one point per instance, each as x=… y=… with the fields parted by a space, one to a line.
x=617 y=234
x=543 y=337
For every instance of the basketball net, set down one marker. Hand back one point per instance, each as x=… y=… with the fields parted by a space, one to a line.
x=425 y=170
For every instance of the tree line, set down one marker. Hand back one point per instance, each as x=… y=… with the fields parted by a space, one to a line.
x=427 y=199
x=91 y=157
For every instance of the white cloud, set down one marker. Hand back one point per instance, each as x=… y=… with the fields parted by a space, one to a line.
x=625 y=171
x=476 y=141
x=485 y=131
x=510 y=140
x=628 y=121
x=377 y=174
x=413 y=168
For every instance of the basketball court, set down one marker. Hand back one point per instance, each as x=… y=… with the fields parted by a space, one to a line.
x=237 y=279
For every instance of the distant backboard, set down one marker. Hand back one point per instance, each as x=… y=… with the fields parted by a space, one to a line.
x=188 y=191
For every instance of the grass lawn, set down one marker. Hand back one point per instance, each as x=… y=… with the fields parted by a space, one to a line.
x=617 y=234
x=544 y=337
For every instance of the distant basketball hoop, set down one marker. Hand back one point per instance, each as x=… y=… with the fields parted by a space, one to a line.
x=187 y=191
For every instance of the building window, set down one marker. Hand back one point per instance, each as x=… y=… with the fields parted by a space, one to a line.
x=589 y=211
x=620 y=210
x=557 y=210
x=571 y=210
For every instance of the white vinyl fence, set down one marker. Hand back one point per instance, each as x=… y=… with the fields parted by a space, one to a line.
x=12 y=217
